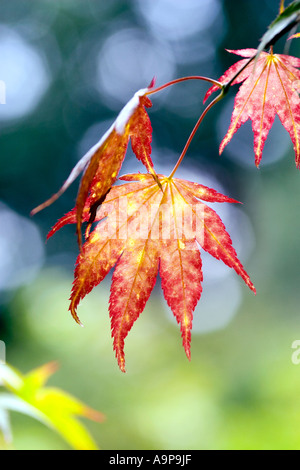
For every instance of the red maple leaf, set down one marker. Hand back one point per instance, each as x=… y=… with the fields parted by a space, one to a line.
x=102 y=163
x=271 y=86
x=142 y=230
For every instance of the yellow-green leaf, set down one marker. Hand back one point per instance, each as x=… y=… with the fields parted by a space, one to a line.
x=52 y=406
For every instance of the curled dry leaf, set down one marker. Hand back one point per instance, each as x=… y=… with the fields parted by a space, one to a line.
x=102 y=163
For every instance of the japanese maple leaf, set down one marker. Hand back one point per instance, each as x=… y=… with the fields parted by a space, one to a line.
x=102 y=163
x=144 y=230
x=271 y=86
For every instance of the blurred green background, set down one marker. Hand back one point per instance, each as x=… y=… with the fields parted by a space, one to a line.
x=69 y=66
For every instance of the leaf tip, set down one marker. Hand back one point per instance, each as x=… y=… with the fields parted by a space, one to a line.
x=294 y=36
x=121 y=363
x=94 y=415
x=221 y=148
x=49 y=369
x=48 y=202
x=50 y=233
x=74 y=314
x=188 y=352
x=251 y=286
x=233 y=201
x=152 y=83
x=186 y=336
x=120 y=356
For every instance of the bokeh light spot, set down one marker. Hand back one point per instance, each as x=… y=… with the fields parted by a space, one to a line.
x=24 y=72
x=21 y=249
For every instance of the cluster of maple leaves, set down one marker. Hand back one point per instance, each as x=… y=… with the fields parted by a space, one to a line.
x=154 y=223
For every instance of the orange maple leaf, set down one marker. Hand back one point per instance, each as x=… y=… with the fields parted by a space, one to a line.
x=102 y=163
x=271 y=86
x=143 y=230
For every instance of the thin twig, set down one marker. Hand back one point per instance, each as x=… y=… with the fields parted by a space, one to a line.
x=218 y=98
x=183 y=79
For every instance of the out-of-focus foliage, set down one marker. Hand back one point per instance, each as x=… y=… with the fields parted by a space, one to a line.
x=53 y=407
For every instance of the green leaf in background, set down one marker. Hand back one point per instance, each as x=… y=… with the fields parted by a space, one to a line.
x=285 y=21
x=52 y=406
x=5 y=428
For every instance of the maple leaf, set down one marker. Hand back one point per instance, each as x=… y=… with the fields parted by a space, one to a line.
x=102 y=163
x=143 y=230
x=271 y=86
